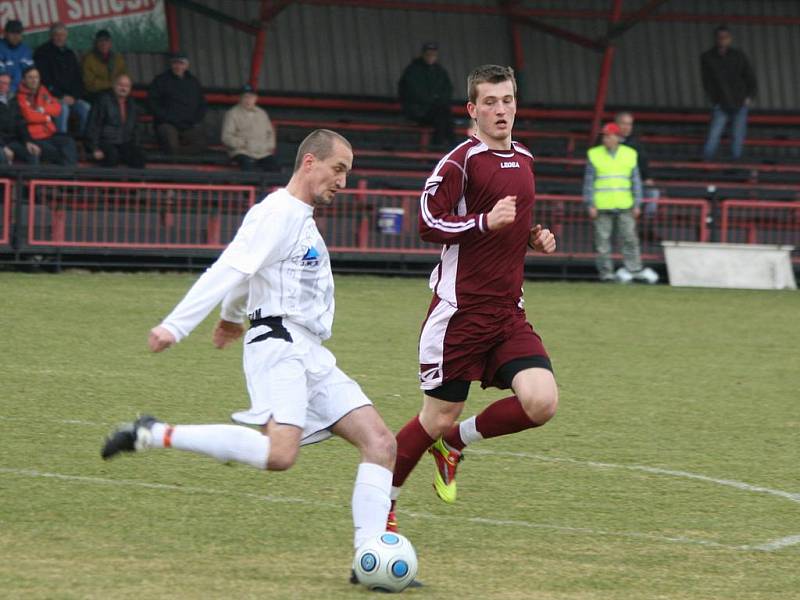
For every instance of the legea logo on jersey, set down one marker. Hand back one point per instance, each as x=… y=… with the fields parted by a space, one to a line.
x=509 y=164
x=311 y=258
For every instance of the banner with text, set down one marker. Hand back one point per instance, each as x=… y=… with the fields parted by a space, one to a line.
x=134 y=25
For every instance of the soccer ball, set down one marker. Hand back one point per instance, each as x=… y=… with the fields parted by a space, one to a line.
x=386 y=563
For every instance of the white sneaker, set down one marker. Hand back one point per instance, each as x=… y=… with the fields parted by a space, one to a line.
x=623 y=275
x=647 y=275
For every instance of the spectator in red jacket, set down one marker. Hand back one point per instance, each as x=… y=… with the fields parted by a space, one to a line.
x=40 y=109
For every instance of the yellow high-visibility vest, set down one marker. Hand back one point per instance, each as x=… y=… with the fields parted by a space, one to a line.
x=613 y=177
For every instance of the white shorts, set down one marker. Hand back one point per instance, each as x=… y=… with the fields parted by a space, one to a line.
x=296 y=383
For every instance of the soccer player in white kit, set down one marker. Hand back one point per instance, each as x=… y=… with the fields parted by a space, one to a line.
x=277 y=271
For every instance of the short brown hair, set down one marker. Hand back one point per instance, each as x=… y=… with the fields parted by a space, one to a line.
x=488 y=74
x=320 y=144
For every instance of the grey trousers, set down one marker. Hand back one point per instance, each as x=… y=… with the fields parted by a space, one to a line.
x=626 y=233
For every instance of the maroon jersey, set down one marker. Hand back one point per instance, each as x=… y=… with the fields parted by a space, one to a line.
x=478 y=265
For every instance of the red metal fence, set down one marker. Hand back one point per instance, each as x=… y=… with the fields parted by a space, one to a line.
x=759 y=222
x=5 y=211
x=662 y=219
x=360 y=222
x=134 y=215
x=92 y=214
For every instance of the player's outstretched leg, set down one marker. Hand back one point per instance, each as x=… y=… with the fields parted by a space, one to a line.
x=223 y=442
x=533 y=406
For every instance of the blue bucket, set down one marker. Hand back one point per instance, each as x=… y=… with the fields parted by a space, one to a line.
x=390 y=220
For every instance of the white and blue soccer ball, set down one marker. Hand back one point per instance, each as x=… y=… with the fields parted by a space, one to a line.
x=386 y=562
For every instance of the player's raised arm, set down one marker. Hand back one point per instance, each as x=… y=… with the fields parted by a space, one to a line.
x=258 y=242
x=204 y=295
x=438 y=218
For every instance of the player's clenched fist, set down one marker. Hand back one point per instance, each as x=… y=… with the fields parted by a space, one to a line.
x=160 y=339
x=225 y=333
x=503 y=213
x=542 y=240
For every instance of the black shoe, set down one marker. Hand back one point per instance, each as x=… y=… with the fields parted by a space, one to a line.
x=130 y=437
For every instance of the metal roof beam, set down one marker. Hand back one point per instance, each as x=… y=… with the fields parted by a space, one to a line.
x=633 y=19
x=557 y=13
x=216 y=15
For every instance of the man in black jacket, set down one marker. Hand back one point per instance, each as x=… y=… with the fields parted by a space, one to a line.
x=11 y=146
x=177 y=102
x=730 y=84
x=112 y=131
x=61 y=74
x=425 y=92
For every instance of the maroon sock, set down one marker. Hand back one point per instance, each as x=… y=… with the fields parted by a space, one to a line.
x=499 y=418
x=412 y=442
x=503 y=417
x=453 y=438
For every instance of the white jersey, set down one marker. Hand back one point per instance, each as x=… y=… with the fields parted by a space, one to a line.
x=276 y=266
x=281 y=250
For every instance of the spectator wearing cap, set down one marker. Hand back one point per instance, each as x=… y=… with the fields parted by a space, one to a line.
x=15 y=55
x=61 y=74
x=177 y=102
x=101 y=66
x=11 y=145
x=112 y=134
x=425 y=92
x=612 y=192
x=248 y=134
x=40 y=109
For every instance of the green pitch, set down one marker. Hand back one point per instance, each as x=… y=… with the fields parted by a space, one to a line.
x=672 y=469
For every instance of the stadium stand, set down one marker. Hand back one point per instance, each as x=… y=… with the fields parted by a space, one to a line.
x=752 y=200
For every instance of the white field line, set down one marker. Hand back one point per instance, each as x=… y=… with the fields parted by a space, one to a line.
x=789 y=540
x=424 y=516
x=739 y=485
x=767 y=546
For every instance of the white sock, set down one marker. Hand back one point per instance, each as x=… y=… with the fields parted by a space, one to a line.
x=370 y=501
x=395 y=493
x=223 y=442
x=468 y=432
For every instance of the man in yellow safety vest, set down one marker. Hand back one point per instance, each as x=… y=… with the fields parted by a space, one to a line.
x=612 y=192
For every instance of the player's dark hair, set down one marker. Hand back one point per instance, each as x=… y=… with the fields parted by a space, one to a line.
x=319 y=143
x=488 y=74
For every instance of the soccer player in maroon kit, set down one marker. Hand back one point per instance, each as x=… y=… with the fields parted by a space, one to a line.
x=478 y=203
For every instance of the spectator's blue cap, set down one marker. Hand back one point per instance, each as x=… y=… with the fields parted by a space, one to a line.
x=248 y=89
x=430 y=46
x=103 y=34
x=13 y=26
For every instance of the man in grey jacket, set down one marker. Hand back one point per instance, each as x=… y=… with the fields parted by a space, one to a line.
x=248 y=134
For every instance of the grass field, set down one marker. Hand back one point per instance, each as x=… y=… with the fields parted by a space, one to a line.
x=671 y=470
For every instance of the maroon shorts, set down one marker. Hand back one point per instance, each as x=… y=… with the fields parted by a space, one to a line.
x=471 y=344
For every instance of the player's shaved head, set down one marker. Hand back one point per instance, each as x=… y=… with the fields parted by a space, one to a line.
x=488 y=74
x=319 y=143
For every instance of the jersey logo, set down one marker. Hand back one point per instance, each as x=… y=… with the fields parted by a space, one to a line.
x=509 y=164
x=311 y=258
